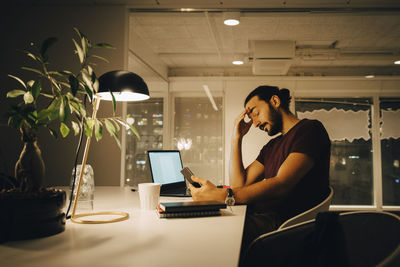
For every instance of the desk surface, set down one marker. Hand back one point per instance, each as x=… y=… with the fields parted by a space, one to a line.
x=143 y=240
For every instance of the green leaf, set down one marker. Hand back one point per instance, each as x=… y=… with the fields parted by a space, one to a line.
x=114 y=102
x=82 y=109
x=46 y=45
x=18 y=79
x=65 y=84
x=96 y=85
x=80 y=34
x=74 y=107
x=66 y=72
x=74 y=83
x=34 y=57
x=67 y=110
x=117 y=140
x=90 y=122
x=56 y=73
x=90 y=71
x=15 y=93
x=103 y=45
x=55 y=104
x=101 y=58
x=110 y=127
x=64 y=130
x=62 y=110
x=79 y=51
x=36 y=88
x=98 y=130
x=84 y=46
x=28 y=98
x=133 y=129
x=30 y=83
x=55 y=83
x=75 y=127
x=43 y=114
x=89 y=92
x=89 y=127
x=87 y=80
x=115 y=121
x=15 y=122
x=33 y=70
x=53 y=133
x=47 y=95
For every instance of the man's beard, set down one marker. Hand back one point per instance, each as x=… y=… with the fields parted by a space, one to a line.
x=276 y=121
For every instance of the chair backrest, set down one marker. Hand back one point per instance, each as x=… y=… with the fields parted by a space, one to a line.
x=347 y=239
x=311 y=213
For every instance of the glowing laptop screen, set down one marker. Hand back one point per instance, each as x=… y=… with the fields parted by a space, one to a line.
x=166 y=166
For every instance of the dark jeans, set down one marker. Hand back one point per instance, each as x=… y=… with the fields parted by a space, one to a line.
x=257 y=224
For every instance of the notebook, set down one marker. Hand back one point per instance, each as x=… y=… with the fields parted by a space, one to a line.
x=189 y=209
x=165 y=169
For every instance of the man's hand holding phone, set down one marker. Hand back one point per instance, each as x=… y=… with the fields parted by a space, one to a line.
x=187 y=173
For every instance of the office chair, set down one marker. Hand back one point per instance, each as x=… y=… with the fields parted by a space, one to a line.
x=332 y=239
x=309 y=214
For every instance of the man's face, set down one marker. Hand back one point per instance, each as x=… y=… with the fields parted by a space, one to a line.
x=264 y=116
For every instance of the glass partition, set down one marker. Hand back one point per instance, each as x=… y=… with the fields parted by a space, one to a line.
x=348 y=123
x=149 y=121
x=197 y=133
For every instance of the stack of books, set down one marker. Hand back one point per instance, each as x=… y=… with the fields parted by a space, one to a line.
x=189 y=209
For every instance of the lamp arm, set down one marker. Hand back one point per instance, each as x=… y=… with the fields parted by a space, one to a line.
x=96 y=105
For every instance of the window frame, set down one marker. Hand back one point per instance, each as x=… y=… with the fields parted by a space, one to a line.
x=376 y=144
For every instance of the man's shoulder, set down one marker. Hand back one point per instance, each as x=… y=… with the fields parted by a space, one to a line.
x=311 y=124
x=314 y=129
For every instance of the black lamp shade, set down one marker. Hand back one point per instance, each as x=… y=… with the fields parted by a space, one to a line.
x=125 y=86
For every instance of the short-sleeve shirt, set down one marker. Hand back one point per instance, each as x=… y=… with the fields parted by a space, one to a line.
x=308 y=137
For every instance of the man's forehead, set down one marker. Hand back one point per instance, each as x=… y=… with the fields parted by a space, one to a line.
x=252 y=102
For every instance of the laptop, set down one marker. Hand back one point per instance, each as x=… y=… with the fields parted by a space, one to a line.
x=165 y=168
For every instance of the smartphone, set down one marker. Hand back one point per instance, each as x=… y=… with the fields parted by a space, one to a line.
x=187 y=173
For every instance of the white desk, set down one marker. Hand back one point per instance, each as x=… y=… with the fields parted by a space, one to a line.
x=143 y=240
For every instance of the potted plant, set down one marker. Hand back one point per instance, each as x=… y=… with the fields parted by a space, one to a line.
x=56 y=101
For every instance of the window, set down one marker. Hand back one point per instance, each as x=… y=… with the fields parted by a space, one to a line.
x=390 y=150
x=149 y=121
x=198 y=135
x=348 y=123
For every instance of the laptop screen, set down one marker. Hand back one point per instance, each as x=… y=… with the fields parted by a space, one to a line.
x=166 y=166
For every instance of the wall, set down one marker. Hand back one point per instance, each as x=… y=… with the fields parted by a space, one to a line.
x=22 y=25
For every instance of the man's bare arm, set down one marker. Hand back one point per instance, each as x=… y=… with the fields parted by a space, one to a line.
x=289 y=174
x=237 y=172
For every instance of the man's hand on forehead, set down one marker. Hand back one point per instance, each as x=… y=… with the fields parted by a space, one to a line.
x=247 y=116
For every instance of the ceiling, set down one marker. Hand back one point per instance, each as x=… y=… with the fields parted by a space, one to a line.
x=329 y=37
x=334 y=39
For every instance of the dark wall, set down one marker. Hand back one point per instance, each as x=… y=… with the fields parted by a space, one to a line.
x=19 y=27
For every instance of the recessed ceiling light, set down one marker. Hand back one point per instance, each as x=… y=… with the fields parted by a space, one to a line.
x=231 y=18
x=187 y=9
x=370 y=76
x=231 y=22
x=397 y=62
x=237 y=62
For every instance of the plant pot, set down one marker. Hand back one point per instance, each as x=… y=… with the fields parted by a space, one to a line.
x=26 y=215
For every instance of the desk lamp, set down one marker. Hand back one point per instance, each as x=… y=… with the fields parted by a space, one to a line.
x=122 y=86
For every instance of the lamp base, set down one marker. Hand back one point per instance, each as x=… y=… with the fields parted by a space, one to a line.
x=123 y=216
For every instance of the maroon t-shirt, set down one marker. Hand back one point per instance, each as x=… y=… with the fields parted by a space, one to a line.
x=308 y=137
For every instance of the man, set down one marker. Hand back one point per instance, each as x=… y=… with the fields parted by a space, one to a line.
x=291 y=172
